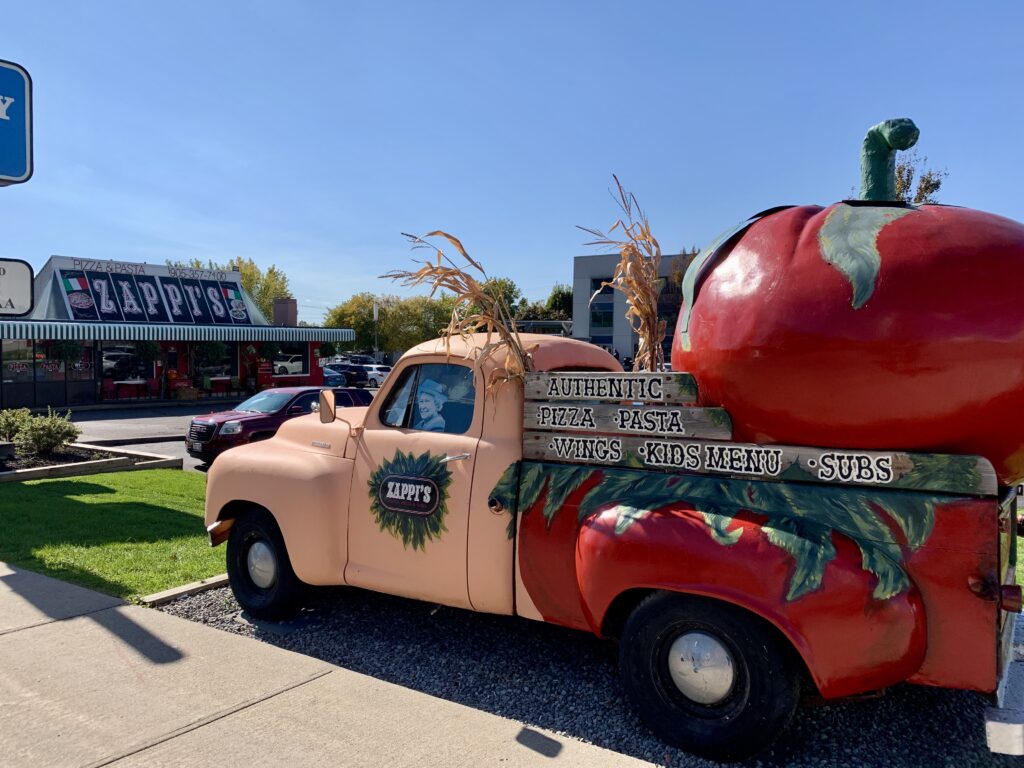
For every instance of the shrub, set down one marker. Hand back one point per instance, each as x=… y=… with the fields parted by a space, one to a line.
x=42 y=435
x=11 y=422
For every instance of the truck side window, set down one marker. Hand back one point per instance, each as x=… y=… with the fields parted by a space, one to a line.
x=396 y=409
x=433 y=398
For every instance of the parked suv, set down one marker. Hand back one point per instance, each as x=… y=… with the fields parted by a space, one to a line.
x=345 y=375
x=376 y=374
x=256 y=419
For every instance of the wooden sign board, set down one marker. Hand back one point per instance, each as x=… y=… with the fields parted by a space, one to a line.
x=655 y=420
x=612 y=387
x=882 y=469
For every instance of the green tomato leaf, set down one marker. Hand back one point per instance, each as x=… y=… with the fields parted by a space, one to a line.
x=849 y=242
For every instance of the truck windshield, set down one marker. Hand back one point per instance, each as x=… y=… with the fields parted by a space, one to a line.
x=265 y=402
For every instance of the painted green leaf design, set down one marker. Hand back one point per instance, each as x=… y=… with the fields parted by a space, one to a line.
x=531 y=485
x=801 y=518
x=943 y=472
x=626 y=515
x=810 y=546
x=563 y=480
x=892 y=579
x=718 y=525
x=849 y=242
x=414 y=530
x=506 y=490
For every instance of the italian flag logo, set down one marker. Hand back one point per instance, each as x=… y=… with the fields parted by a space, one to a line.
x=75 y=284
x=232 y=293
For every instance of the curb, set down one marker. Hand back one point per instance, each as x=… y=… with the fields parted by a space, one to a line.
x=160 y=598
x=115 y=441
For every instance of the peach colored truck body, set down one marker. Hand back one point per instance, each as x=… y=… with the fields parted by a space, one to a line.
x=313 y=477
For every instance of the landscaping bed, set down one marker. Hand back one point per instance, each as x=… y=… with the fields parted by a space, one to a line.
x=68 y=455
x=81 y=459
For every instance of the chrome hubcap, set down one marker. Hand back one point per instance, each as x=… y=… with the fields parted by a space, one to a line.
x=262 y=565
x=701 y=667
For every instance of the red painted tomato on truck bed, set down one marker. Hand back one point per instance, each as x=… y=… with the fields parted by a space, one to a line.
x=865 y=325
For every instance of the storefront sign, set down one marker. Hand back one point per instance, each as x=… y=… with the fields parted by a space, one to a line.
x=15 y=124
x=115 y=291
x=15 y=288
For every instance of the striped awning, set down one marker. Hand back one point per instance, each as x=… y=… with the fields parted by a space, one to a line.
x=43 y=329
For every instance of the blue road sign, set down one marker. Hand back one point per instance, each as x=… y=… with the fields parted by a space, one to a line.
x=15 y=124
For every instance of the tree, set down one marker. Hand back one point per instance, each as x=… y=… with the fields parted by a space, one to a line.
x=559 y=303
x=506 y=289
x=535 y=311
x=356 y=313
x=929 y=181
x=402 y=323
x=679 y=264
x=262 y=286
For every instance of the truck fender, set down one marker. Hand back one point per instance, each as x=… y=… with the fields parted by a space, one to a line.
x=305 y=492
x=849 y=641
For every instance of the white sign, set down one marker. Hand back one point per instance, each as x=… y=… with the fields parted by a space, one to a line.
x=15 y=288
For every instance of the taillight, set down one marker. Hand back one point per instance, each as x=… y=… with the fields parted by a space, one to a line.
x=1011 y=599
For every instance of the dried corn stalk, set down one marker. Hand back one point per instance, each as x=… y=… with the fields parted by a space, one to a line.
x=476 y=310
x=636 y=276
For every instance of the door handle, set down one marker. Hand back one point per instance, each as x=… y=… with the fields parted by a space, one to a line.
x=456 y=457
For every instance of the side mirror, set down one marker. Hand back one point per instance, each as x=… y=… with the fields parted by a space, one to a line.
x=327 y=408
x=295 y=410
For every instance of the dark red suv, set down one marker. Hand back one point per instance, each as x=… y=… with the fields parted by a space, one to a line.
x=258 y=418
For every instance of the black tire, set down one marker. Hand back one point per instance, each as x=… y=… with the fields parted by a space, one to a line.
x=764 y=690
x=282 y=371
x=344 y=381
x=277 y=599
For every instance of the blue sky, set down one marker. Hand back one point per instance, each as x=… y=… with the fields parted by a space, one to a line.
x=311 y=134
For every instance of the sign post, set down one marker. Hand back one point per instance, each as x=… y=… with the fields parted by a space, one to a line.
x=15 y=124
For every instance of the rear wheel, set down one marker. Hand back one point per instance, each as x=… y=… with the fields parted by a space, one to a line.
x=259 y=570
x=707 y=677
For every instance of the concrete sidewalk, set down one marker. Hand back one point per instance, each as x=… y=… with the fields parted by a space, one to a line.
x=90 y=681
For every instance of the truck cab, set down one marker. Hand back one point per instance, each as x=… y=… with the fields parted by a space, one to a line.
x=347 y=502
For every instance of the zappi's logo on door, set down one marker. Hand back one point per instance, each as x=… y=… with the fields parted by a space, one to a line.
x=408 y=497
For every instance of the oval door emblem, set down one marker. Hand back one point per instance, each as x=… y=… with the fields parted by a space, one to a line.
x=412 y=495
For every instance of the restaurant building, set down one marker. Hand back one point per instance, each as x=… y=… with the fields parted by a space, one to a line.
x=110 y=330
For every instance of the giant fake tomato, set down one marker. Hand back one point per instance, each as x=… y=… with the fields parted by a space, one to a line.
x=864 y=325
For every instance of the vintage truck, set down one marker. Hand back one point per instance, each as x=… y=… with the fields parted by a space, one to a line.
x=734 y=576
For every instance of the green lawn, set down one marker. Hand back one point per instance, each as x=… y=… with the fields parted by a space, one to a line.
x=128 y=534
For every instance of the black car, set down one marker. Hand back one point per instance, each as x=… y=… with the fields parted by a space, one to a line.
x=345 y=375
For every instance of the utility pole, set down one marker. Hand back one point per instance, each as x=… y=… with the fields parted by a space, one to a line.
x=376 y=311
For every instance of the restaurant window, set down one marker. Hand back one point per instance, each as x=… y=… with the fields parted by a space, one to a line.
x=82 y=369
x=17 y=362
x=292 y=360
x=121 y=362
x=225 y=364
x=50 y=360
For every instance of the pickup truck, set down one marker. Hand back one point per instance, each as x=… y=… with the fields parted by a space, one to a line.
x=734 y=576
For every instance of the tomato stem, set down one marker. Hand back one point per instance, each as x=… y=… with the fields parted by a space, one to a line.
x=878 y=157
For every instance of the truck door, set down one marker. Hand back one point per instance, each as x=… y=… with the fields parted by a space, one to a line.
x=409 y=509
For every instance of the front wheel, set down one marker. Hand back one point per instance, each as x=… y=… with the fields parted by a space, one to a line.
x=259 y=570
x=707 y=677
x=282 y=371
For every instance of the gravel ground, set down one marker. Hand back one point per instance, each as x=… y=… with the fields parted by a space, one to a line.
x=566 y=681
